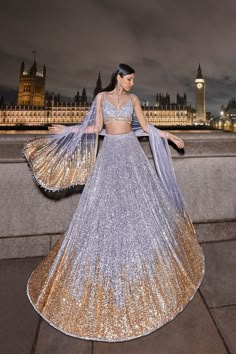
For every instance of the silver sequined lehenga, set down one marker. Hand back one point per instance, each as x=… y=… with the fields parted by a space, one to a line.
x=129 y=261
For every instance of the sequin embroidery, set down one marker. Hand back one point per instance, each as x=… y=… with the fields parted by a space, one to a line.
x=111 y=113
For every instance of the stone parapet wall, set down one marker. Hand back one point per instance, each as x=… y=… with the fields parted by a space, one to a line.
x=32 y=219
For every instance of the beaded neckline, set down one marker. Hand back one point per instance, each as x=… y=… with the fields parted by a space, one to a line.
x=116 y=108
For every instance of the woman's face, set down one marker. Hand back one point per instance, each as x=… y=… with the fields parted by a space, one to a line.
x=126 y=82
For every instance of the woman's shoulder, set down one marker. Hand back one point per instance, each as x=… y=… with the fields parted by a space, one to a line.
x=100 y=94
x=98 y=98
x=134 y=98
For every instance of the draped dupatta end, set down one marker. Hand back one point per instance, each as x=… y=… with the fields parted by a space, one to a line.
x=63 y=160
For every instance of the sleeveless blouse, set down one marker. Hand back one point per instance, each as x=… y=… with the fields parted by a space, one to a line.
x=112 y=113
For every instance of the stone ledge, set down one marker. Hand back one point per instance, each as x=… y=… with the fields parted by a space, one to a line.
x=26 y=246
x=20 y=247
x=218 y=231
x=196 y=145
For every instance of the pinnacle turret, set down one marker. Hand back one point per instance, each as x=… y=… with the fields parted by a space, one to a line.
x=199 y=72
x=98 y=87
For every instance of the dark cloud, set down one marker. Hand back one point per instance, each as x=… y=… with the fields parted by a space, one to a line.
x=163 y=40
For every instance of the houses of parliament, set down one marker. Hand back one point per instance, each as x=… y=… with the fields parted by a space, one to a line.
x=35 y=107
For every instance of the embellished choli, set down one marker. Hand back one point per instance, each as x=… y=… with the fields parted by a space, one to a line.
x=112 y=113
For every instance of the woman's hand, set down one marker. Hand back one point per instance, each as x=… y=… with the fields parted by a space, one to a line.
x=176 y=140
x=56 y=129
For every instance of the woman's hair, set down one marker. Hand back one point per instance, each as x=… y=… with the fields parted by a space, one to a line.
x=122 y=70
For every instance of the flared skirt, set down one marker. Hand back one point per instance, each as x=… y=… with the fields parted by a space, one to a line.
x=128 y=262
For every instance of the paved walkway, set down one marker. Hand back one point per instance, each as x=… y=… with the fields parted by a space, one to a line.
x=206 y=326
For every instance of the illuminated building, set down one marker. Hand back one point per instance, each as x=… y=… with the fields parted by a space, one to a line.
x=37 y=108
x=227 y=119
x=200 y=99
x=165 y=113
x=74 y=113
x=31 y=89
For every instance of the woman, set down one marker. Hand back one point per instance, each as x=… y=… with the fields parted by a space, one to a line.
x=130 y=260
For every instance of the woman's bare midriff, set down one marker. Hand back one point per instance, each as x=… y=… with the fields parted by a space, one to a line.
x=116 y=127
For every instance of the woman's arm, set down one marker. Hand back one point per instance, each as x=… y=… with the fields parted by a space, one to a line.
x=144 y=124
x=96 y=128
x=175 y=139
x=139 y=113
x=99 y=115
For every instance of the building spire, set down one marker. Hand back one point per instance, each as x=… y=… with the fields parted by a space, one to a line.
x=98 y=87
x=199 y=72
x=33 y=69
x=44 y=71
x=84 y=96
x=22 y=68
x=34 y=52
x=99 y=81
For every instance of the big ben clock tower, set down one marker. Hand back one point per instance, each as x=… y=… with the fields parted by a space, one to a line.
x=200 y=96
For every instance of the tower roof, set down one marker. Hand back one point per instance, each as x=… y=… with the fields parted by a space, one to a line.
x=199 y=72
x=99 y=81
x=98 y=87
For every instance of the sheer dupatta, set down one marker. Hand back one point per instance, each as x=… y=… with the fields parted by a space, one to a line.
x=162 y=161
x=64 y=160
x=60 y=161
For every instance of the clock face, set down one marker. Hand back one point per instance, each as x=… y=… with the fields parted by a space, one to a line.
x=199 y=85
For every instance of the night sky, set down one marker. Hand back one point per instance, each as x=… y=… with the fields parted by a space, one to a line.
x=163 y=40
